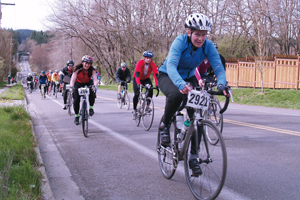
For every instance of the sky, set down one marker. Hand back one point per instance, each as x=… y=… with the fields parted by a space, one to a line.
x=25 y=14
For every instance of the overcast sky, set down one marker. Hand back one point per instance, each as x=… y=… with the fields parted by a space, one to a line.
x=25 y=14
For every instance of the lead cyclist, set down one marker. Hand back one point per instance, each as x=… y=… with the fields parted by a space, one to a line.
x=186 y=53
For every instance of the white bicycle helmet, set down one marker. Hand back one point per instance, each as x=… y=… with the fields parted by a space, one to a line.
x=198 y=21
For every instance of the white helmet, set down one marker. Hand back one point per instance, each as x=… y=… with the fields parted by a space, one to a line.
x=29 y=74
x=198 y=21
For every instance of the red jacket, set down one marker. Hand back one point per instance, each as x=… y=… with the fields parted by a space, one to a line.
x=140 y=67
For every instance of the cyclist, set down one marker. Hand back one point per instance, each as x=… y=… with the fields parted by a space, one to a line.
x=43 y=79
x=141 y=75
x=64 y=78
x=82 y=76
x=55 y=77
x=186 y=53
x=210 y=70
x=49 y=76
x=123 y=77
x=30 y=78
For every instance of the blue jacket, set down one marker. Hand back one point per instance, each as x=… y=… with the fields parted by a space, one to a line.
x=180 y=64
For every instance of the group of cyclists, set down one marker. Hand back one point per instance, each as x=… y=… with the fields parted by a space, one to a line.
x=190 y=56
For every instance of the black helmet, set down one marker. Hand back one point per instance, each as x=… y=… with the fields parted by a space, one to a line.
x=70 y=62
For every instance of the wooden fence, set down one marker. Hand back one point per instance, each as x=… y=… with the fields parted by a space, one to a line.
x=279 y=72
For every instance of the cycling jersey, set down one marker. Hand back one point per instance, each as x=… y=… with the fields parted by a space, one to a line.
x=142 y=71
x=43 y=79
x=123 y=75
x=49 y=76
x=183 y=58
x=55 y=77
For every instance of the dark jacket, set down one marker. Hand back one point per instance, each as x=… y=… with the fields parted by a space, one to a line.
x=64 y=72
x=123 y=75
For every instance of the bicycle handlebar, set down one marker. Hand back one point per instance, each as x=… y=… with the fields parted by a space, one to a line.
x=150 y=88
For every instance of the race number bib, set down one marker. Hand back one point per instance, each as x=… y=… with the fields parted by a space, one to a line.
x=198 y=99
x=83 y=91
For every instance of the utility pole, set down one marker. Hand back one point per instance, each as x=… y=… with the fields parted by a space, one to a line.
x=0 y=9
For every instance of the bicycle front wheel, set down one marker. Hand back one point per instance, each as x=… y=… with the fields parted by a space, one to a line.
x=84 y=119
x=126 y=100
x=119 y=101
x=148 y=113
x=212 y=160
x=167 y=158
x=69 y=103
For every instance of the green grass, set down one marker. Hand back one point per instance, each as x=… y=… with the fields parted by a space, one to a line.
x=285 y=98
x=19 y=176
x=2 y=84
x=15 y=92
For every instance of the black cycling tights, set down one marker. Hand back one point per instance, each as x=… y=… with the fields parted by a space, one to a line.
x=174 y=97
x=77 y=97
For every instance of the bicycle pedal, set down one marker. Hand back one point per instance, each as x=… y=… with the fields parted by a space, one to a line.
x=195 y=175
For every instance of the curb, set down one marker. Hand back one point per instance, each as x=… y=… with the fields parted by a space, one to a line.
x=46 y=189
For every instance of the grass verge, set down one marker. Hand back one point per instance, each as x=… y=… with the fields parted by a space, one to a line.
x=19 y=174
x=15 y=92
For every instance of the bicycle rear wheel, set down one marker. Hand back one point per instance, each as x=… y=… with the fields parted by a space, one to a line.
x=126 y=100
x=213 y=163
x=84 y=119
x=69 y=103
x=148 y=113
x=167 y=157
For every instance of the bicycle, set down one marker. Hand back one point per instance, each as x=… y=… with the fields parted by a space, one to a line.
x=69 y=99
x=84 y=114
x=49 y=89
x=56 y=88
x=43 y=90
x=212 y=158
x=124 y=99
x=145 y=107
x=29 y=86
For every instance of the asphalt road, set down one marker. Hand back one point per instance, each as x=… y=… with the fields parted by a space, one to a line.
x=118 y=160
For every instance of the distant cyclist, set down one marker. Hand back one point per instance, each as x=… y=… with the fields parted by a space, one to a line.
x=30 y=78
x=81 y=77
x=55 y=78
x=49 y=76
x=141 y=75
x=123 y=77
x=64 y=78
x=43 y=79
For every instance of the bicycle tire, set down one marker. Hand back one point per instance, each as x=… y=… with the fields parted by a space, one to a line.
x=69 y=103
x=56 y=91
x=214 y=167
x=167 y=158
x=126 y=100
x=119 y=101
x=84 y=119
x=148 y=113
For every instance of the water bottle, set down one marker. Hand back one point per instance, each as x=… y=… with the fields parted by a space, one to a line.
x=185 y=128
x=179 y=124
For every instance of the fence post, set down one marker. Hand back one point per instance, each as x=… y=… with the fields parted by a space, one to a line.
x=297 y=82
x=274 y=73
x=238 y=74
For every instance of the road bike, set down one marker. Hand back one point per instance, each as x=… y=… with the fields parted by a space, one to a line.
x=211 y=158
x=56 y=88
x=145 y=107
x=29 y=86
x=43 y=90
x=83 y=113
x=49 y=89
x=124 y=99
x=69 y=99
